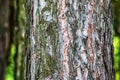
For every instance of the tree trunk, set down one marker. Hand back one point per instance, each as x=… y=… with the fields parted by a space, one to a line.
x=4 y=36
x=68 y=40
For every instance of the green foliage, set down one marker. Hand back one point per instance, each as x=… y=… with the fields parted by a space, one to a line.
x=10 y=68
x=117 y=56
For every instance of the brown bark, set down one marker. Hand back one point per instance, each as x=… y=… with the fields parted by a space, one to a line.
x=4 y=36
x=69 y=40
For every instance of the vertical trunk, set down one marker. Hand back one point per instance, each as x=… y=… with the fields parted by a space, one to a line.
x=17 y=37
x=4 y=36
x=69 y=40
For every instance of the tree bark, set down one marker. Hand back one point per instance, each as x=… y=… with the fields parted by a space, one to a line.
x=69 y=40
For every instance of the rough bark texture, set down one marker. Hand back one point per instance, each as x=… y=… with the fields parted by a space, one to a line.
x=69 y=40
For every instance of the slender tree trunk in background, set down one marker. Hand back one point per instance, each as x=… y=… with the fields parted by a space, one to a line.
x=68 y=40
x=4 y=36
x=17 y=39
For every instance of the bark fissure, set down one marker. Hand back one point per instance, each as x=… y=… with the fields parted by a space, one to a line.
x=32 y=63
x=90 y=30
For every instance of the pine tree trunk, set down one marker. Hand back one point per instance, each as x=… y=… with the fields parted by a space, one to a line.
x=68 y=40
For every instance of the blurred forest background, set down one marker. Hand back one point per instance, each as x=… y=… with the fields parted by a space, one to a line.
x=116 y=36
x=17 y=14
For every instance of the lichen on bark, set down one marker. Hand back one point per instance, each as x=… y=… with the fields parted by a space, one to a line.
x=73 y=40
